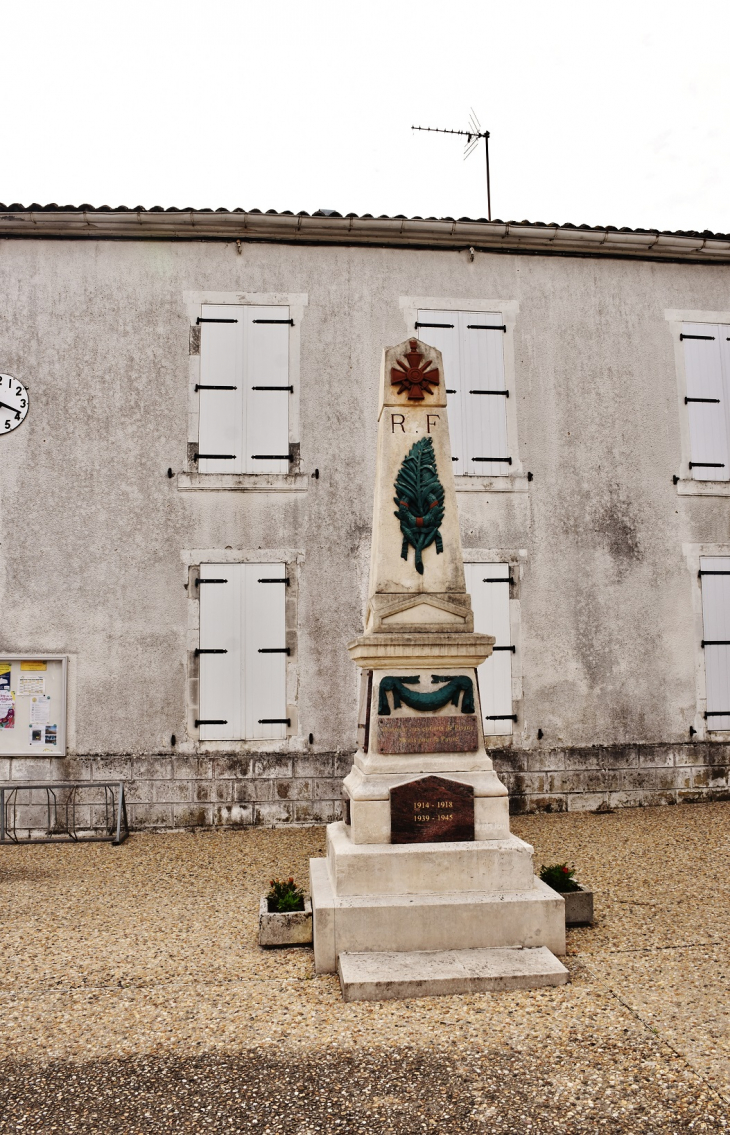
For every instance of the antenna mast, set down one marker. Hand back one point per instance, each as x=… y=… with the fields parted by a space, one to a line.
x=472 y=135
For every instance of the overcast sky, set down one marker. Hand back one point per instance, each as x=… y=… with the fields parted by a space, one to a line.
x=603 y=113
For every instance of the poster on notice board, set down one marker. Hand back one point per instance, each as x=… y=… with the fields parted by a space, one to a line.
x=7 y=700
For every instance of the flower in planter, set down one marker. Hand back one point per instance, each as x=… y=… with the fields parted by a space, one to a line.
x=284 y=896
x=560 y=877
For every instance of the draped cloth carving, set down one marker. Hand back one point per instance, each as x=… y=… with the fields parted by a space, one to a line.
x=452 y=687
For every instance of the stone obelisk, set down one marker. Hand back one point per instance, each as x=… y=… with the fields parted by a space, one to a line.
x=423 y=873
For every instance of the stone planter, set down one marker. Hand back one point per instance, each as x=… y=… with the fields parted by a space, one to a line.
x=578 y=907
x=293 y=928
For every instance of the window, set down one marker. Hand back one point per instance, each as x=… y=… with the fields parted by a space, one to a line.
x=244 y=389
x=715 y=580
x=707 y=371
x=489 y=587
x=471 y=343
x=243 y=651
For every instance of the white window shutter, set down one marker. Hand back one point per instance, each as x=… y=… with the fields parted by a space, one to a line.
x=716 y=633
x=488 y=585
x=243 y=690
x=484 y=415
x=440 y=329
x=265 y=657
x=266 y=347
x=708 y=417
x=473 y=361
x=221 y=411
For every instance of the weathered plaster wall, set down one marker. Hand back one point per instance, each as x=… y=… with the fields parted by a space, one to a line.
x=93 y=532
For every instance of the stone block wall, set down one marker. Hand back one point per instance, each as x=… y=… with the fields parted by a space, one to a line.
x=167 y=792
x=617 y=776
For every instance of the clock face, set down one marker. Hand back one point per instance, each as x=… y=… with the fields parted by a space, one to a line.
x=13 y=403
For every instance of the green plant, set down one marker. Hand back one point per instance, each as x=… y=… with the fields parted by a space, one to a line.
x=560 y=877
x=284 y=896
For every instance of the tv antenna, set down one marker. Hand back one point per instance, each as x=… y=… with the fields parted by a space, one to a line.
x=472 y=135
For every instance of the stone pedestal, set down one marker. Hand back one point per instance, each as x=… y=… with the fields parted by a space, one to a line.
x=424 y=863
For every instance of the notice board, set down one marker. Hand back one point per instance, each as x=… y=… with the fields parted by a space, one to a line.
x=32 y=705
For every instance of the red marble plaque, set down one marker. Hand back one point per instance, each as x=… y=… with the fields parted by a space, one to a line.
x=452 y=734
x=431 y=810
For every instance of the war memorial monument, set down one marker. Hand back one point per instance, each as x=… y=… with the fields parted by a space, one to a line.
x=423 y=889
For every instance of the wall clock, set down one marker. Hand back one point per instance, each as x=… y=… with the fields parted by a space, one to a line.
x=13 y=403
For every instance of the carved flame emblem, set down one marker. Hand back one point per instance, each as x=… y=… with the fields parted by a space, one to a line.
x=414 y=375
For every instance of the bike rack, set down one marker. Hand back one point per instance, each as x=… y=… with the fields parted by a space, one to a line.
x=115 y=811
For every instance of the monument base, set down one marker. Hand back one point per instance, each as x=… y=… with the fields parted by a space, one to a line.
x=429 y=898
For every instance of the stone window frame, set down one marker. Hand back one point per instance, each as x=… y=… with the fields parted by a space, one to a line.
x=516 y=560
x=192 y=480
x=516 y=481
x=686 y=484
x=692 y=555
x=293 y=560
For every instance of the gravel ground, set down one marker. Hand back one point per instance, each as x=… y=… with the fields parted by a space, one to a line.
x=133 y=996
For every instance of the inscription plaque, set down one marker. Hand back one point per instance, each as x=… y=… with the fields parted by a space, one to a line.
x=431 y=810
x=452 y=734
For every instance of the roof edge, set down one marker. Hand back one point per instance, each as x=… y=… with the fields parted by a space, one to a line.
x=397 y=232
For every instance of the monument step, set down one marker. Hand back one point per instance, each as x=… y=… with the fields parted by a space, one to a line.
x=496 y=865
x=461 y=920
x=397 y=976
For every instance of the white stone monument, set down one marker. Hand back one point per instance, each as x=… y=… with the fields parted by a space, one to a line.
x=424 y=890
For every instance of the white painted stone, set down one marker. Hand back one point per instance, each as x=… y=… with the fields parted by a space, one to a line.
x=494 y=866
x=463 y=920
x=371 y=895
x=425 y=613
x=288 y=928
x=323 y=917
x=368 y=785
x=491 y=817
x=401 y=423
x=390 y=976
x=370 y=819
x=422 y=764
x=423 y=647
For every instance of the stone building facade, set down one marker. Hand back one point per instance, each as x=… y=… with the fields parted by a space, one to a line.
x=202 y=395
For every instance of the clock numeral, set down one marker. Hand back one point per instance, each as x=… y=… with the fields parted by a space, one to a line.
x=7 y=423
x=19 y=390
x=22 y=403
